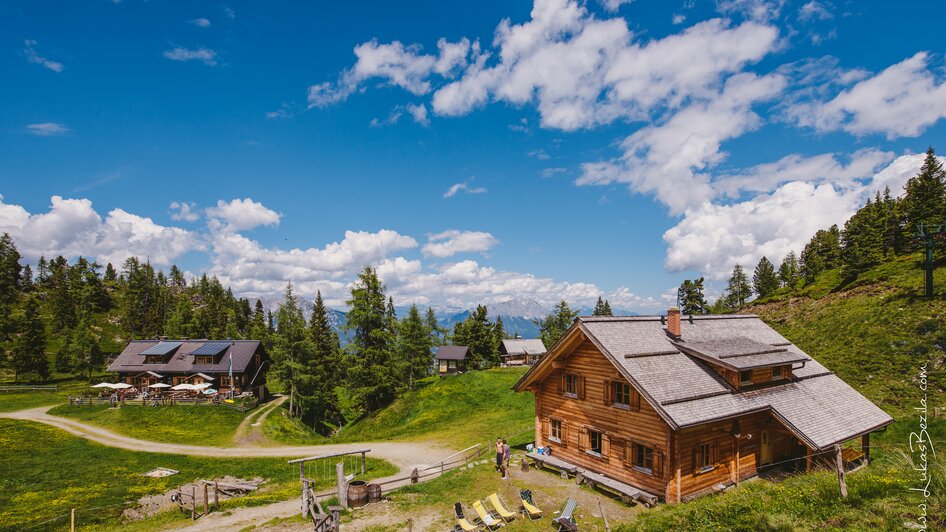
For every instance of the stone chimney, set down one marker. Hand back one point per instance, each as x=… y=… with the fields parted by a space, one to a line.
x=673 y=322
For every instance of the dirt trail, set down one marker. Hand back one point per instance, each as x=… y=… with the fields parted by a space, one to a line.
x=250 y=430
x=405 y=455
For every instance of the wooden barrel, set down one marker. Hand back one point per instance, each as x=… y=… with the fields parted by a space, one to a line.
x=374 y=492
x=357 y=494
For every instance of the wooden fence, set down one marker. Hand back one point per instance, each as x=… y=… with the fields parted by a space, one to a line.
x=243 y=405
x=29 y=388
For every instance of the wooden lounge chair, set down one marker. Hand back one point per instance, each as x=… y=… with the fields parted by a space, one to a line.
x=462 y=522
x=528 y=505
x=488 y=520
x=566 y=518
x=501 y=509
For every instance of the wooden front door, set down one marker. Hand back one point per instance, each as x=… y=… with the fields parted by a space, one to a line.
x=765 y=448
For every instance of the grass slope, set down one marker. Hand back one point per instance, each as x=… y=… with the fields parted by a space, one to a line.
x=874 y=331
x=188 y=424
x=458 y=410
x=46 y=472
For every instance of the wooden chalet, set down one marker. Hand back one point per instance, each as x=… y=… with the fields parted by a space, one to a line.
x=678 y=408
x=451 y=359
x=146 y=362
x=521 y=351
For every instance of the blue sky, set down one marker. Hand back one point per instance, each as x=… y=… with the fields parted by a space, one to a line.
x=600 y=148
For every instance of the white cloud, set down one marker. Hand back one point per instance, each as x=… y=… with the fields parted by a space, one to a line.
x=47 y=129
x=614 y=5
x=418 y=113
x=463 y=187
x=814 y=10
x=33 y=57
x=238 y=215
x=204 y=55
x=72 y=227
x=201 y=22
x=670 y=160
x=539 y=154
x=284 y=111
x=184 y=211
x=678 y=18
x=762 y=10
x=449 y=243
x=713 y=238
x=901 y=101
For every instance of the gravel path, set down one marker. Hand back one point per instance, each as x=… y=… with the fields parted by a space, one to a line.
x=250 y=430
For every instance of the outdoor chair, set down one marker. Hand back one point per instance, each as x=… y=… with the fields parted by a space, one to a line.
x=566 y=518
x=501 y=509
x=462 y=522
x=485 y=517
x=528 y=505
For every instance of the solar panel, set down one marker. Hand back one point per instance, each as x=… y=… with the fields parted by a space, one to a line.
x=161 y=348
x=211 y=348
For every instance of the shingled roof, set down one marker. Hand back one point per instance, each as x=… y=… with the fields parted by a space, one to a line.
x=452 y=352
x=674 y=374
x=524 y=346
x=132 y=358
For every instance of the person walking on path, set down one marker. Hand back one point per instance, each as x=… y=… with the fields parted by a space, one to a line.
x=499 y=454
x=507 y=454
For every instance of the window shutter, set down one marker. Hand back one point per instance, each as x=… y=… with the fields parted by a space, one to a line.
x=561 y=384
x=693 y=458
x=607 y=392
x=635 y=400
x=546 y=428
x=631 y=453
x=658 y=463
x=715 y=453
x=606 y=446
x=581 y=386
x=582 y=434
x=564 y=437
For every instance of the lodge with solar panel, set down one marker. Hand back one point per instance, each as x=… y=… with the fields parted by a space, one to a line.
x=146 y=362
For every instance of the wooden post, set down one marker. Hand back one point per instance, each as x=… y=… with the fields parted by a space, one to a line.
x=807 y=459
x=193 y=502
x=865 y=447
x=607 y=526
x=410 y=524
x=305 y=498
x=72 y=521
x=335 y=518
x=840 y=466
x=216 y=496
x=342 y=485
x=538 y=420
x=415 y=476
x=206 y=500
x=363 y=466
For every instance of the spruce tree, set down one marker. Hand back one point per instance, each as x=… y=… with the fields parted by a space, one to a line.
x=325 y=368
x=738 y=290
x=29 y=347
x=372 y=373
x=602 y=308
x=764 y=279
x=291 y=351
x=607 y=308
x=10 y=284
x=414 y=347
x=476 y=333
x=789 y=272
x=553 y=326
x=925 y=198
x=499 y=334
x=690 y=296
x=437 y=333
x=88 y=354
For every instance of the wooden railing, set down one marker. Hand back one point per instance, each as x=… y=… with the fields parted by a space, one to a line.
x=29 y=388
x=241 y=406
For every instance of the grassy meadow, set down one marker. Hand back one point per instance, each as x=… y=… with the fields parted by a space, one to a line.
x=47 y=471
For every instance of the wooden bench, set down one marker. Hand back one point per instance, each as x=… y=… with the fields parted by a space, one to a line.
x=546 y=460
x=625 y=491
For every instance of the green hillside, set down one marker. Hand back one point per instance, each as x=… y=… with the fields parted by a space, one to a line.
x=458 y=410
x=874 y=331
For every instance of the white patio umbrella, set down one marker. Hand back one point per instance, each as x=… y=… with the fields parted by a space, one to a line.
x=202 y=386
x=183 y=386
x=159 y=385
x=121 y=386
x=103 y=385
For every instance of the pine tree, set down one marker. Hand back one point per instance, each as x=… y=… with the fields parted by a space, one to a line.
x=10 y=284
x=88 y=354
x=476 y=332
x=690 y=296
x=414 y=347
x=555 y=324
x=258 y=326
x=925 y=199
x=65 y=361
x=372 y=372
x=738 y=290
x=291 y=351
x=321 y=406
x=437 y=333
x=499 y=334
x=602 y=308
x=29 y=347
x=764 y=279
x=789 y=272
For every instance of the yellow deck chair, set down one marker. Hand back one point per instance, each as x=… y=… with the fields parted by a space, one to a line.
x=525 y=497
x=488 y=520
x=466 y=525
x=501 y=508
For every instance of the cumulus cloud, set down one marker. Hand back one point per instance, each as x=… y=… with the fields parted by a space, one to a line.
x=72 y=227
x=33 y=57
x=901 y=101
x=714 y=237
x=449 y=243
x=201 y=22
x=418 y=113
x=204 y=55
x=47 y=129
x=238 y=215
x=464 y=187
x=814 y=10
x=184 y=211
